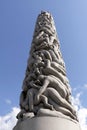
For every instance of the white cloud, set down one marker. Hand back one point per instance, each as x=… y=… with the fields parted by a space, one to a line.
x=81 y=111
x=76 y=101
x=8 y=121
x=80 y=88
x=82 y=114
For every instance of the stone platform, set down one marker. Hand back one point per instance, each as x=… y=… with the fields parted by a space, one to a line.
x=47 y=123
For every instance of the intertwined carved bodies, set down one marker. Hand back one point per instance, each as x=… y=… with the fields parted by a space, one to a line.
x=34 y=97
x=45 y=84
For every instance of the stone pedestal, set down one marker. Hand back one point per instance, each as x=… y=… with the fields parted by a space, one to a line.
x=47 y=123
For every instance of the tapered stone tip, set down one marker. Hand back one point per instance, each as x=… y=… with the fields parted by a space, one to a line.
x=45 y=23
x=45 y=12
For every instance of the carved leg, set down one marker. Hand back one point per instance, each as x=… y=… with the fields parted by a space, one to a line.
x=62 y=110
x=58 y=67
x=55 y=96
x=51 y=71
x=54 y=57
x=48 y=63
x=44 y=99
x=30 y=99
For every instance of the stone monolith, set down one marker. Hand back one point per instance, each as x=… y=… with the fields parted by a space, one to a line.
x=45 y=99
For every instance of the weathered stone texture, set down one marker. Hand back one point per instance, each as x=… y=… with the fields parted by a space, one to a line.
x=45 y=99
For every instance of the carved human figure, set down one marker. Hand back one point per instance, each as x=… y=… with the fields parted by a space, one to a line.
x=23 y=103
x=58 y=86
x=27 y=100
x=50 y=70
x=51 y=96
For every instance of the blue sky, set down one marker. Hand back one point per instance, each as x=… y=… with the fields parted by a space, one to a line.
x=17 y=22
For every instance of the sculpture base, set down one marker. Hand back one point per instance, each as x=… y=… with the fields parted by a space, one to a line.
x=47 y=123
